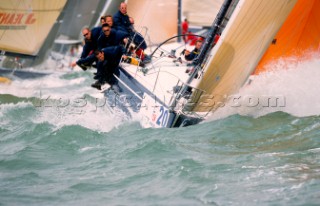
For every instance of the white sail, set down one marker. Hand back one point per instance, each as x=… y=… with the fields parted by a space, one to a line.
x=159 y=17
x=25 y=24
x=241 y=46
x=201 y=13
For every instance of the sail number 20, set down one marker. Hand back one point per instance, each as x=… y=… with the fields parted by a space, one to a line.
x=163 y=118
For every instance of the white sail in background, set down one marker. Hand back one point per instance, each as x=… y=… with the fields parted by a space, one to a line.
x=201 y=13
x=247 y=36
x=25 y=24
x=159 y=17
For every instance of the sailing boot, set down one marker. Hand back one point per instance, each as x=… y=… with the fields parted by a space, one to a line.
x=82 y=66
x=97 y=85
x=97 y=76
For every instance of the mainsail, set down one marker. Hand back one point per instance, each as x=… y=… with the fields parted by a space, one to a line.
x=247 y=36
x=298 y=38
x=25 y=24
x=201 y=13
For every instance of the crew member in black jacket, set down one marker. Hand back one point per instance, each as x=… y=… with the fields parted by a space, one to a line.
x=108 y=66
x=122 y=22
x=91 y=44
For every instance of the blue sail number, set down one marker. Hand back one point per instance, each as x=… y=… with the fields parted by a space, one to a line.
x=163 y=118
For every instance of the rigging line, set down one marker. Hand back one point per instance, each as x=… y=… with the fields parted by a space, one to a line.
x=140 y=24
x=144 y=15
x=147 y=8
x=171 y=39
x=141 y=35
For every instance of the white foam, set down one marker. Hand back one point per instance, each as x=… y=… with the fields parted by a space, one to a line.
x=62 y=102
x=87 y=114
x=51 y=84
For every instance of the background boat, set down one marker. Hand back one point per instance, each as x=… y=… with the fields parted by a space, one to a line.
x=27 y=31
x=23 y=46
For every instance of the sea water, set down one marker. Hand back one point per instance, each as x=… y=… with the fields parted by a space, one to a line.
x=60 y=146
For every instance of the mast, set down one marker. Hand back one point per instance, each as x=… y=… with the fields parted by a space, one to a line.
x=210 y=37
x=208 y=43
x=179 y=21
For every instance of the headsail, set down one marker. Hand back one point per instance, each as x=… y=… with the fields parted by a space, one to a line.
x=299 y=37
x=242 y=44
x=25 y=24
x=159 y=17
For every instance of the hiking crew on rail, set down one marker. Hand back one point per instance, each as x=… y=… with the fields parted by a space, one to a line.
x=105 y=45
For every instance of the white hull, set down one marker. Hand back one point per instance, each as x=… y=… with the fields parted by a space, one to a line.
x=157 y=85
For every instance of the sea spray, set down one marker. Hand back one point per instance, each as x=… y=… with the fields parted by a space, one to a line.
x=63 y=99
x=293 y=89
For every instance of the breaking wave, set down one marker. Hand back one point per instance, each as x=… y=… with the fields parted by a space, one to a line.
x=292 y=89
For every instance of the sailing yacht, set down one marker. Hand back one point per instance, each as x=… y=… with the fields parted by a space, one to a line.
x=170 y=92
x=24 y=29
x=37 y=35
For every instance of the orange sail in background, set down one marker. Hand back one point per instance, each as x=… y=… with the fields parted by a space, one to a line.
x=299 y=37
